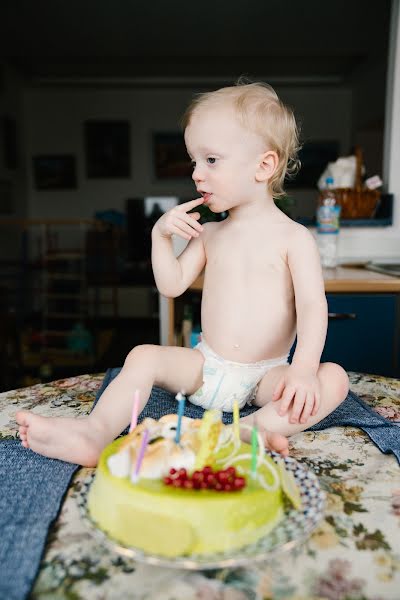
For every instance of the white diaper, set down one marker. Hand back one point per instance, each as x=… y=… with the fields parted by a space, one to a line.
x=225 y=380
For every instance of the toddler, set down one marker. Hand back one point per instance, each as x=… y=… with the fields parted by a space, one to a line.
x=263 y=285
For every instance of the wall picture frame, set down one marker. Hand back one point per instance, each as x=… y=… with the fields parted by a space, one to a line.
x=54 y=172
x=170 y=157
x=107 y=149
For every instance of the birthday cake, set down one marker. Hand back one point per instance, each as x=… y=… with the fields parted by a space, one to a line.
x=208 y=493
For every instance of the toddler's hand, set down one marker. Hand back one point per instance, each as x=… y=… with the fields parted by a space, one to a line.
x=178 y=221
x=302 y=391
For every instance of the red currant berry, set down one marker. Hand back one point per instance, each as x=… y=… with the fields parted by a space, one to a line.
x=239 y=483
x=219 y=487
x=207 y=470
x=188 y=484
x=222 y=477
x=167 y=480
x=211 y=480
x=177 y=483
x=182 y=472
x=231 y=471
x=227 y=487
x=172 y=471
x=203 y=485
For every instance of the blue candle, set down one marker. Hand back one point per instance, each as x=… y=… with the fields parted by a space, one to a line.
x=181 y=409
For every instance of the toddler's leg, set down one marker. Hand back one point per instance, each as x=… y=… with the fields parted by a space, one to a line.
x=334 y=387
x=81 y=440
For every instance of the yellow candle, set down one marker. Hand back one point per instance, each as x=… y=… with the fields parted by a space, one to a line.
x=236 y=428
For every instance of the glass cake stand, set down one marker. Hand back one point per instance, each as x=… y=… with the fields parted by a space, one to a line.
x=292 y=531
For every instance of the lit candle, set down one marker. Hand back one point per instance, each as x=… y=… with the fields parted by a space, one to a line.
x=181 y=408
x=254 y=447
x=135 y=411
x=236 y=420
x=142 y=450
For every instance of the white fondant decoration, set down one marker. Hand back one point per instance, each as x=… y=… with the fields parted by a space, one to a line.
x=120 y=463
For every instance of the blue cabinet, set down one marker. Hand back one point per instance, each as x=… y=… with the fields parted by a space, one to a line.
x=363 y=333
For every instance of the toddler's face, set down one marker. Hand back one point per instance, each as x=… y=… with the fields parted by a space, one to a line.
x=225 y=157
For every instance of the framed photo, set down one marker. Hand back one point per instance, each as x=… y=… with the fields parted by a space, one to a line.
x=6 y=197
x=170 y=158
x=56 y=172
x=107 y=148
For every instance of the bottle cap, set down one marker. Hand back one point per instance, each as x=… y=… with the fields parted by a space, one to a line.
x=329 y=181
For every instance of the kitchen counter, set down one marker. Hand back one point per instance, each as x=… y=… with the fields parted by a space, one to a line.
x=353 y=279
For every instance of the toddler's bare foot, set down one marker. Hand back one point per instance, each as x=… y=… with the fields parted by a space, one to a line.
x=276 y=442
x=72 y=440
x=273 y=441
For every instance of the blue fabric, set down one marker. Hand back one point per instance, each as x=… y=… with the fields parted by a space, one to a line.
x=31 y=493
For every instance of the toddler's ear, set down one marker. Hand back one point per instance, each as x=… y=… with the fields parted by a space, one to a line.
x=267 y=166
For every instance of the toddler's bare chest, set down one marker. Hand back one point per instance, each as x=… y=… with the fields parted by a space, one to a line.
x=247 y=261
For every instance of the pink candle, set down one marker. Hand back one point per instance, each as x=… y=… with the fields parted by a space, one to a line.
x=145 y=440
x=135 y=410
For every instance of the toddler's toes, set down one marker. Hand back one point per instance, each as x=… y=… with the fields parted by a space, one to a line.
x=277 y=442
x=25 y=444
x=22 y=417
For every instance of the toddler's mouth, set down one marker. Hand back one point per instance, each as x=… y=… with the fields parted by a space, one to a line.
x=206 y=196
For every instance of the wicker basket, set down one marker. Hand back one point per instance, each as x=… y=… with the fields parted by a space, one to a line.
x=358 y=202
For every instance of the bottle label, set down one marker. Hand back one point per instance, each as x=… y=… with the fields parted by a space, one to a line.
x=328 y=219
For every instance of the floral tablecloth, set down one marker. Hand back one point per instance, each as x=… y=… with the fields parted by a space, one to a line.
x=353 y=555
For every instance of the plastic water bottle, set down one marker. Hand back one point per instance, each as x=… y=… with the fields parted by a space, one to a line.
x=328 y=225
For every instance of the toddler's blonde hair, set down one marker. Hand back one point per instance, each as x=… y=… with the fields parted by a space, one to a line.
x=259 y=109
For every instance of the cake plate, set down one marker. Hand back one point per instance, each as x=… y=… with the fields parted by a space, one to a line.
x=292 y=531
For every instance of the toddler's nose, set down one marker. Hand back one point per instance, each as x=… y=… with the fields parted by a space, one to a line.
x=197 y=174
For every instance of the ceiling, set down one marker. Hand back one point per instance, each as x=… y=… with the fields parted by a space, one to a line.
x=120 y=40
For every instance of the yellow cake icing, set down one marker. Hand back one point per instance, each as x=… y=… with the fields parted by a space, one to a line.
x=169 y=521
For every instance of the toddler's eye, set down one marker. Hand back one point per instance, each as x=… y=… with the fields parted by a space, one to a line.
x=211 y=160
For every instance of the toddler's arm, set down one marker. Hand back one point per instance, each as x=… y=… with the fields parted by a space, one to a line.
x=174 y=275
x=299 y=386
x=311 y=306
